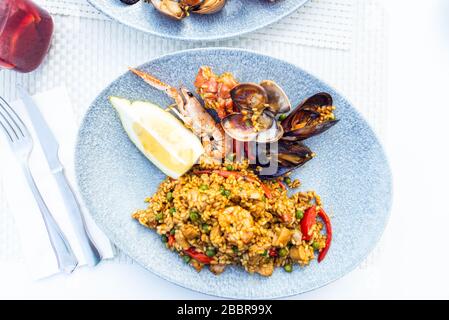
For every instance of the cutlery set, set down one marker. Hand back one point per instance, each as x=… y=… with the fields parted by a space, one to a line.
x=21 y=143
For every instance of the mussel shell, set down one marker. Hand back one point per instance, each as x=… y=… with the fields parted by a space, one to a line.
x=306 y=110
x=249 y=96
x=308 y=131
x=278 y=100
x=209 y=6
x=317 y=100
x=289 y=156
x=191 y=3
x=158 y=5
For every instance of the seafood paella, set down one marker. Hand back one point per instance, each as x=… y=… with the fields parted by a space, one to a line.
x=228 y=199
x=218 y=216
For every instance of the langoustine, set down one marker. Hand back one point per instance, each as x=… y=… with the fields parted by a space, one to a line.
x=194 y=116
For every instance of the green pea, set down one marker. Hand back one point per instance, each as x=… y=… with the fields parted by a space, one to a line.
x=229 y=167
x=210 y=252
x=164 y=238
x=288 y=268
x=265 y=253
x=194 y=216
x=204 y=187
x=159 y=217
x=316 y=245
x=186 y=259
x=235 y=249
x=206 y=228
x=287 y=180
x=282 y=117
x=169 y=196
x=283 y=252
x=172 y=211
x=299 y=214
x=172 y=232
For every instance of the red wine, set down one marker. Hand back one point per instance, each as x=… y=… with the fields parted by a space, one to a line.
x=25 y=35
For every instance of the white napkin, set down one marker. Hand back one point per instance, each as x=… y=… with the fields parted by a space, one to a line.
x=36 y=247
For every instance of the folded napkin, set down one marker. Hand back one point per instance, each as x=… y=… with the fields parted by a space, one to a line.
x=36 y=247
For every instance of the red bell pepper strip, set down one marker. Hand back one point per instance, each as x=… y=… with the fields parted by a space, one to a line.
x=327 y=222
x=171 y=240
x=273 y=253
x=264 y=187
x=307 y=222
x=198 y=256
x=282 y=185
x=227 y=174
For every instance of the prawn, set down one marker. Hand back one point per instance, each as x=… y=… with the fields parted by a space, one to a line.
x=193 y=114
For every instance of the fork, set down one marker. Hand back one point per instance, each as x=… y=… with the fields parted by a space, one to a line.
x=21 y=143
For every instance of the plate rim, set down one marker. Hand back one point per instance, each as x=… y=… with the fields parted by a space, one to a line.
x=349 y=270
x=206 y=38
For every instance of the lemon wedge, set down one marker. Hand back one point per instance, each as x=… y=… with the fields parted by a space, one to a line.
x=160 y=136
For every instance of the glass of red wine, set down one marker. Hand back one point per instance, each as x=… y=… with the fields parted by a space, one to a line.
x=25 y=35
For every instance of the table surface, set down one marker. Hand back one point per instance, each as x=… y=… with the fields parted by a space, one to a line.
x=413 y=262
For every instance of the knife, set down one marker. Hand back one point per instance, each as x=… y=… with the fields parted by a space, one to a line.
x=50 y=147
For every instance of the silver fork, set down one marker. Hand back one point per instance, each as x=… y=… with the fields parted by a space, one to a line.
x=21 y=144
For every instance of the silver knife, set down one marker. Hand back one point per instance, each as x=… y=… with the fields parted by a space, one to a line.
x=50 y=147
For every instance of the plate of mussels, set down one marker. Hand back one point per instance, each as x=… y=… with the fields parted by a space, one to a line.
x=197 y=20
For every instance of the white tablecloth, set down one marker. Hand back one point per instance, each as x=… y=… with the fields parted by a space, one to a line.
x=88 y=53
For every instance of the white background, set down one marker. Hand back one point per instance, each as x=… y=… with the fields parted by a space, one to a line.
x=414 y=261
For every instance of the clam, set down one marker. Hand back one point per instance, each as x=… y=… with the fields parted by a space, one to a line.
x=238 y=127
x=170 y=8
x=277 y=99
x=207 y=6
x=249 y=97
x=312 y=117
x=258 y=105
x=273 y=134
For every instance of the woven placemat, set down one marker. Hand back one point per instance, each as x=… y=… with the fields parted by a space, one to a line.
x=320 y=23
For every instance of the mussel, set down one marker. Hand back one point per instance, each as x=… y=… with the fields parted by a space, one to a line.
x=312 y=116
x=288 y=155
x=207 y=6
x=179 y=9
x=170 y=8
x=257 y=106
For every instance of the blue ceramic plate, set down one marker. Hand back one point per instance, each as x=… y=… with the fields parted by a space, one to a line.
x=350 y=173
x=236 y=18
